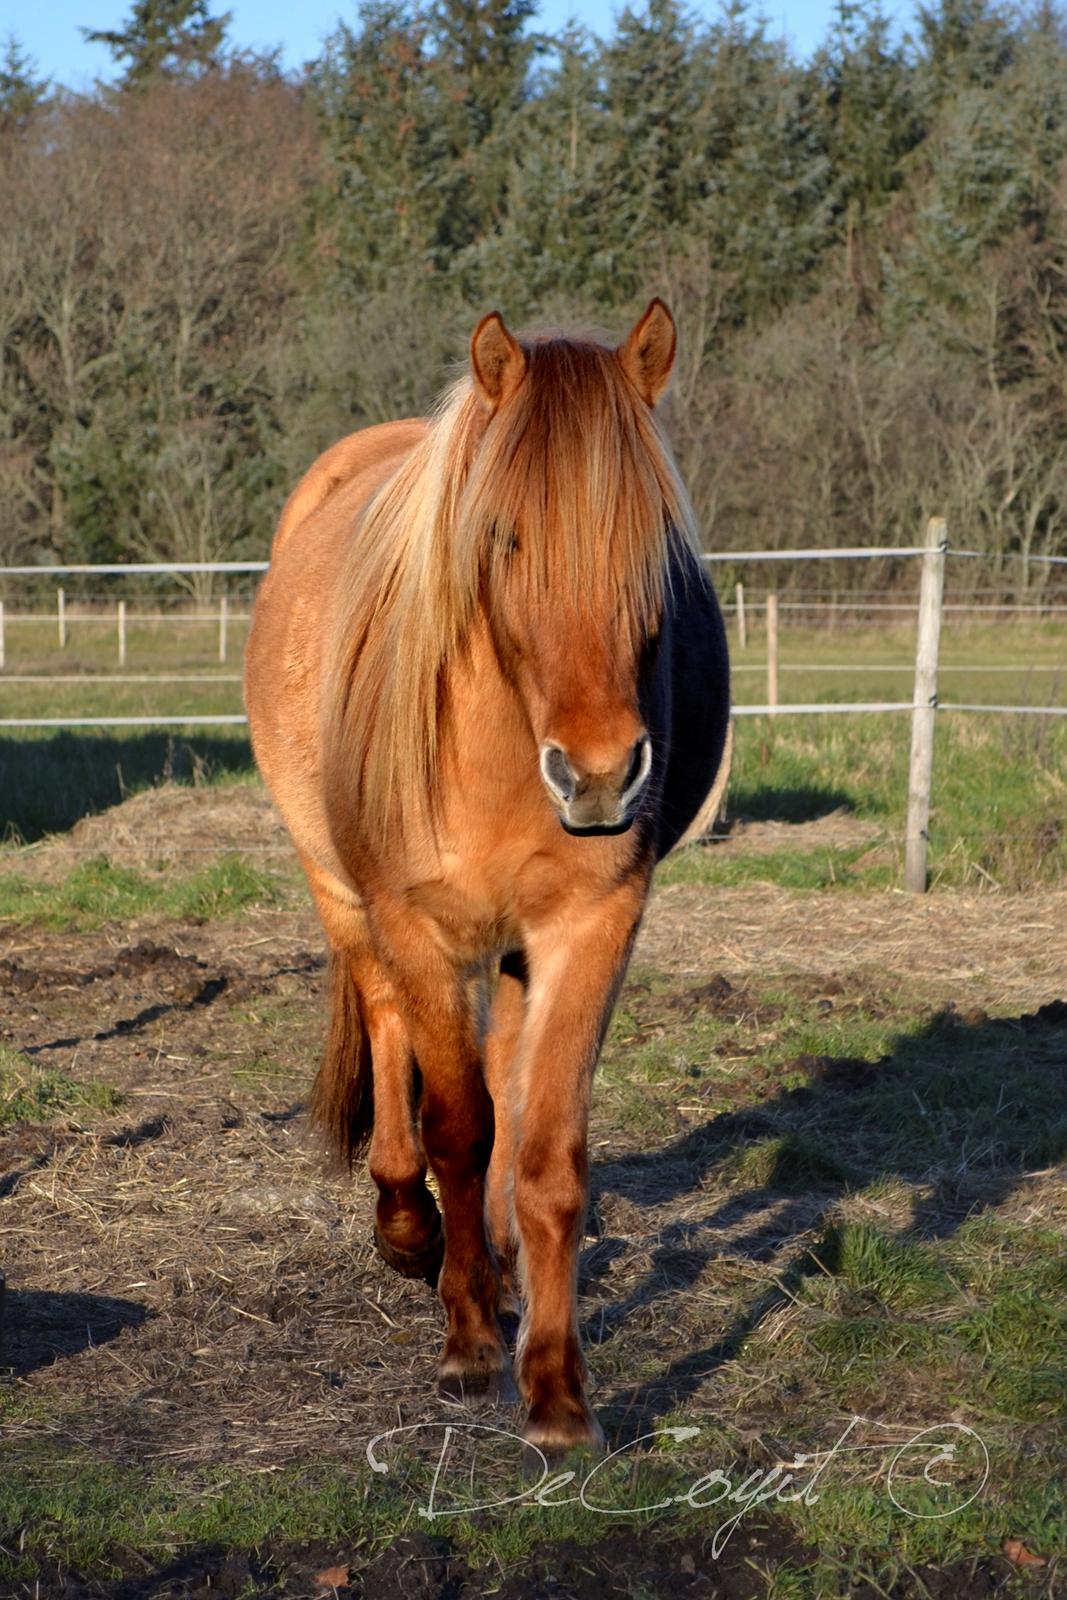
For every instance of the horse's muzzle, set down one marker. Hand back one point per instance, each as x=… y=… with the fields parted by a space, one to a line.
x=596 y=802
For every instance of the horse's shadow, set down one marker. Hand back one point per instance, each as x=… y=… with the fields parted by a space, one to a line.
x=802 y=802
x=41 y=1327
x=962 y=1079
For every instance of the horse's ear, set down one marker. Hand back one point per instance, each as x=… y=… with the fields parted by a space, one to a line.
x=648 y=354
x=497 y=360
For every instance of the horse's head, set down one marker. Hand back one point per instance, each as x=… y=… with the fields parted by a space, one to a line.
x=574 y=492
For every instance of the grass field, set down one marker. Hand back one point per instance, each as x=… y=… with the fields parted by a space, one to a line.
x=828 y=1214
x=1000 y=783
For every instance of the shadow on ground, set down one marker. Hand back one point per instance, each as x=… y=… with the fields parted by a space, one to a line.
x=41 y=1327
x=803 y=803
x=970 y=1101
x=48 y=784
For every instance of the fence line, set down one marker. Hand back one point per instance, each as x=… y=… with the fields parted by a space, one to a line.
x=1048 y=608
x=121 y=677
x=824 y=707
x=202 y=720
x=862 y=666
x=798 y=709
x=1011 y=555
x=98 y=617
x=142 y=568
x=854 y=553
x=923 y=704
x=1016 y=711
x=91 y=678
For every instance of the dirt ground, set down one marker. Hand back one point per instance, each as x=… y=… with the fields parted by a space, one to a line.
x=187 y=1285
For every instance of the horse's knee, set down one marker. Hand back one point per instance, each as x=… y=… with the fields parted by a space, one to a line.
x=550 y=1192
x=458 y=1138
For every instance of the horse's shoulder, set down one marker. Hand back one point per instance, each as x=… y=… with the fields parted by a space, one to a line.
x=369 y=449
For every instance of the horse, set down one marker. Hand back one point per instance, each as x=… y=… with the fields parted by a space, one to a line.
x=487 y=685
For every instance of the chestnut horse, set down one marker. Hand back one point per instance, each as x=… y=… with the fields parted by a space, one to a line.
x=488 y=688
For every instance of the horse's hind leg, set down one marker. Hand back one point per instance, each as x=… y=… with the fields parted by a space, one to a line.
x=368 y=1040
x=407 y=1227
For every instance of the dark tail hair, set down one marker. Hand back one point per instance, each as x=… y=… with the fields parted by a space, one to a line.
x=342 y=1100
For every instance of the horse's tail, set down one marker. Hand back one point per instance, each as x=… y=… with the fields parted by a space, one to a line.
x=342 y=1100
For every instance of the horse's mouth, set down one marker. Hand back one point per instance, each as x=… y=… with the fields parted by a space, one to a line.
x=596 y=830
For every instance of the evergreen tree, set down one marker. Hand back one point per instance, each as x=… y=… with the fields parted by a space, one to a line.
x=384 y=211
x=868 y=105
x=482 y=57
x=654 y=103
x=21 y=91
x=164 y=38
x=766 y=212
x=558 y=238
x=963 y=43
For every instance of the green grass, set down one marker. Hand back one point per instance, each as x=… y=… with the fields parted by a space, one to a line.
x=788 y=869
x=998 y=819
x=898 y=1273
x=1000 y=783
x=903 y=1312
x=1004 y=662
x=29 y=1093
x=99 y=890
x=789 y=1164
x=902 y=1306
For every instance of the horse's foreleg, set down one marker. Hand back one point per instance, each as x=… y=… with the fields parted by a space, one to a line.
x=505 y=1025
x=457 y=1135
x=576 y=967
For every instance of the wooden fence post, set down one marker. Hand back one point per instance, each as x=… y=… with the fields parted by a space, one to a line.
x=924 y=700
x=772 y=651
x=61 y=617
x=223 y=609
x=122 y=633
x=742 y=631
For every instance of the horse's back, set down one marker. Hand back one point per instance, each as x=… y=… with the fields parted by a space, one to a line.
x=286 y=661
x=368 y=451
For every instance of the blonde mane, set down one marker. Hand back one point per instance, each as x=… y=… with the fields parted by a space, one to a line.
x=578 y=462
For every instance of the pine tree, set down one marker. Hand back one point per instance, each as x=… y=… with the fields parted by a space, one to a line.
x=482 y=58
x=654 y=104
x=164 y=38
x=557 y=240
x=21 y=90
x=872 y=121
x=378 y=102
x=963 y=43
x=764 y=212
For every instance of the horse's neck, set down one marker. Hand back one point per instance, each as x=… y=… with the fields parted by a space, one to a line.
x=487 y=736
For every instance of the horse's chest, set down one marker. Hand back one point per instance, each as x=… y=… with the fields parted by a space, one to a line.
x=476 y=904
x=483 y=904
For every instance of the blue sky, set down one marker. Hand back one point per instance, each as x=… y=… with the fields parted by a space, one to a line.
x=48 y=29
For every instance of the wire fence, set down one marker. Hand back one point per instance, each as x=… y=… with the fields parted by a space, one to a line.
x=929 y=609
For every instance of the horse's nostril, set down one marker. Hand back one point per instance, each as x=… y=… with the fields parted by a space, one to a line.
x=640 y=761
x=558 y=772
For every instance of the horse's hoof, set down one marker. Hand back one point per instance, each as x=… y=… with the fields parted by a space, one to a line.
x=425 y=1262
x=568 y=1432
x=510 y=1322
x=492 y=1388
